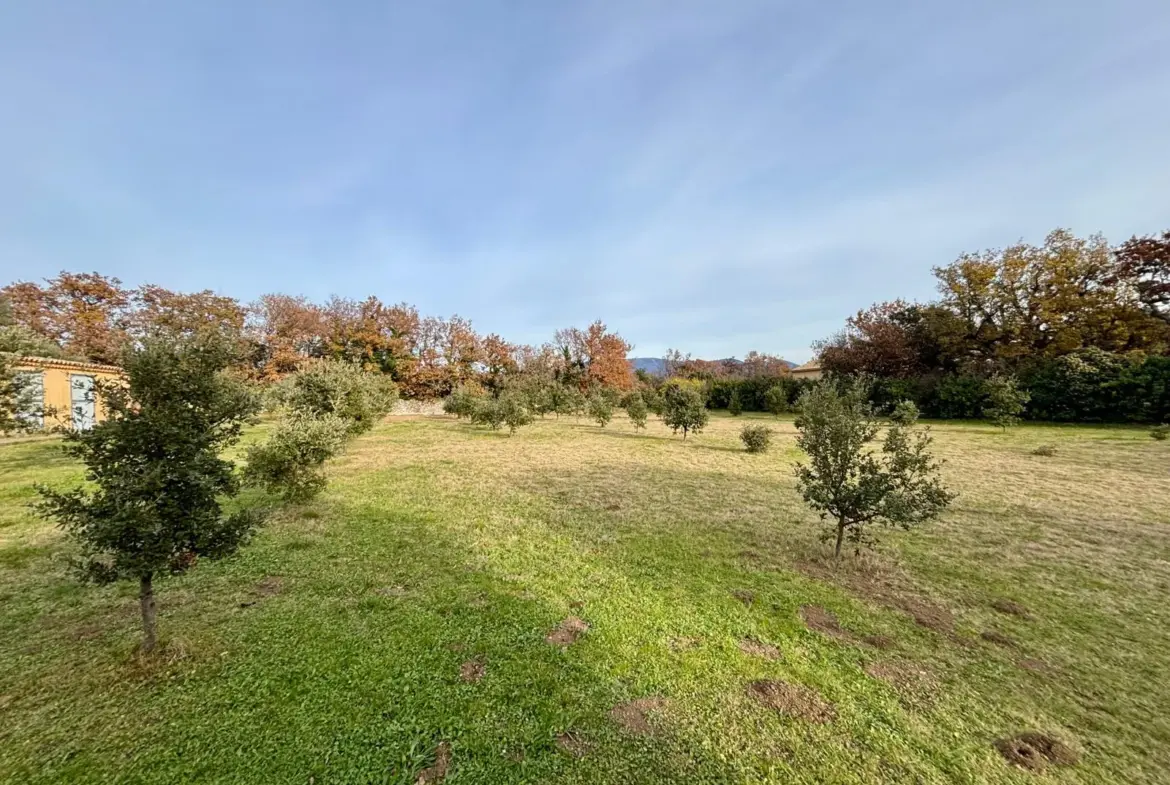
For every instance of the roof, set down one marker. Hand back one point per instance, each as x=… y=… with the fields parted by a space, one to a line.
x=811 y=365
x=73 y=365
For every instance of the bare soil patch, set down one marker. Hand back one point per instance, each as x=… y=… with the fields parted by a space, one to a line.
x=634 y=716
x=748 y=598
x=792 y=700
x=878 y=641
x=927 y=614
x=567 y=632
x=998 y=638
x=1035 y=751
x=755 y=648
x=436 y=773
x=824 y=621
x=472 y=671
x=1011 y=608
x=572 y=743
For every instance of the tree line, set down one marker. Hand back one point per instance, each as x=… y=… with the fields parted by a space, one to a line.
x=1083 y=328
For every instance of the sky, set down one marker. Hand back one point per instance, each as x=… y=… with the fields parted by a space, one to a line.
x=715 y=177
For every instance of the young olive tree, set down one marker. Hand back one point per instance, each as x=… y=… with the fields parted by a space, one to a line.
x=636 y=410
x=156 y=478
x=1005 y=401
x=600 y=408
x=683 y=410
x=488 y=411
x=291 y=462
x=846 y=479
x=359 y=397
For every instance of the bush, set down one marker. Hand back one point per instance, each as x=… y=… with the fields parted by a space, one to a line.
x=776 y=399
x=1160 y=432
x=905 y=413
x=1005 y=401
x=359 y=397
x=488 y=411
x=515 y=413
x=461 y=402
x=291 y=462
x=1045 y=450
x=845 y=479
x=636 y=410
x=600 y=408
x=735 y=405
x=683 y=410
x=756 y=438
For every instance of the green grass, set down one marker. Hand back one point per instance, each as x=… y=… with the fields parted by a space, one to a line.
x=329 y=651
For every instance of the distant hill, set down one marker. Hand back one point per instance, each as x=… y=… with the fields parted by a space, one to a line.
x=656 y=366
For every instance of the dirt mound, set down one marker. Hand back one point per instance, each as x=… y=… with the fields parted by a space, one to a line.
x=436 y=773
x=927 y=614
x=792 y=700
x=567 y=632
x=748 y=598
x=472 y=671
x=998 y=638
x=755 y=648
x=1035 y=751
x=634 y=716
x=572 y=743
x=878 y=641
x=823 y=621
x=1011 y=608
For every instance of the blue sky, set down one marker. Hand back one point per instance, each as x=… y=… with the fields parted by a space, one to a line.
x=711 y=176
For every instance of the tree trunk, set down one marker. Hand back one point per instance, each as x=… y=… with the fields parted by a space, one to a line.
x=149 y=617
x=840 y=537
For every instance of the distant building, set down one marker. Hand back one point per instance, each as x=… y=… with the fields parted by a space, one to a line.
x=61 y=392
x=810 y=370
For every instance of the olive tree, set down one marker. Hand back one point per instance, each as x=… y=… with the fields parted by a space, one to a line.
x=291 y=462
x=156 y=478
x=344 y=389
x=683 y=410
x=848 y=480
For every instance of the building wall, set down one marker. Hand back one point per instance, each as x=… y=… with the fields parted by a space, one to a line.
x=807 y=373
x=57 y=376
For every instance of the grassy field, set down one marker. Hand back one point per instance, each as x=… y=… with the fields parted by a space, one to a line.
x=395 y=630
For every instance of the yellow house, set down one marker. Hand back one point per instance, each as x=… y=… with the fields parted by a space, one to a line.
x=810 y=370
x=61 y=392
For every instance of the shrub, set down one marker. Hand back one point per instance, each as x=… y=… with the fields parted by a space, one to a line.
x=1045 y=450
x=776 y=399
x=683 y=410
x=756 y=438
x=291 y=462
x=359 y=397
x=844 y=479
x=461 y=402
x=600 y=408
x=636 y=410
x=735 y=405
x=488 y=411
x=905 y=413
x=515 y=413
x=1160 y=432
x=1005 y=401
x=155 y=471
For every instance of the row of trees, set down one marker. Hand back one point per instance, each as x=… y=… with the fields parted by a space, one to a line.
x=1083 y=326
x=89 y=316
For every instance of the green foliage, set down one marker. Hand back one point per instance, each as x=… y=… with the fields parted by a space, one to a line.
x=1005 y=401
x=961 y=397
x=1160 y=432
x=359 y=397
x=1045 y=450
x=683 y=409
x=654 y=400
x=461 y=402
x=514 y=411
x=756 y=438
x=735 y=405
x=776 y=399
x=637 y=410
x=600 y=408
x=898 y=485
x=905 y=413
x=488 y=411
x=156 y=478
x=570 y=400
x=291 y=461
